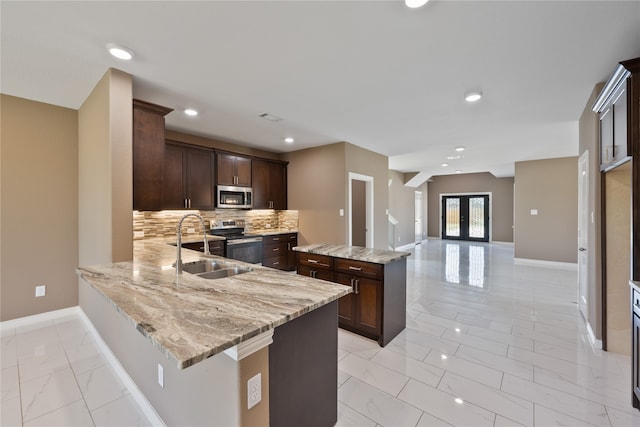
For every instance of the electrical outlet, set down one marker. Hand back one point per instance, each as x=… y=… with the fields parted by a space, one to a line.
x=160 y=375
x=41 y=290
x=254 y=391
x=341 y=212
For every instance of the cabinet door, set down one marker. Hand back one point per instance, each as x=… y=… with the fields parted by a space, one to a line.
x=148 y=155
x=260 y=184
x=347 y=303
x=243 y=171
x=200 y=179
x=225 y=169
x=278 y=186
x=369 y=306
x=175 y=186
x=292 y=242
x=316 y=273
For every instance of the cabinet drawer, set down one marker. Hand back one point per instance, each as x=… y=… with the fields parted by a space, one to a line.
x=358 y=268
x=279 y=262
x=274 y=250
x=314 y=260
x=278 y=238
x=635 y=302
x=316 y=273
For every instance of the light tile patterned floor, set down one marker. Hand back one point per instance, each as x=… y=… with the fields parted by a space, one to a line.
x=505 y=340
x=488 y=343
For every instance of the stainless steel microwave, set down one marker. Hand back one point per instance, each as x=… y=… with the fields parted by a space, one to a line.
x=231 y=197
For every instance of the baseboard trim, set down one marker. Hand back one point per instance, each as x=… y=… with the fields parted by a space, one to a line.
x=133 y=389
x=37 y=318
x=406 y=247
x=548 y=264
x=592 y=337
x=498 y=242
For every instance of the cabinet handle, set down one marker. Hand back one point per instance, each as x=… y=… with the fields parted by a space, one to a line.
x=270 y=204
x=357 y=286
x=312 y=273
x=276 y=263
x=276 y=249
x=312 y=261
x=189 y=203
x=355 y=268
x=275 y=239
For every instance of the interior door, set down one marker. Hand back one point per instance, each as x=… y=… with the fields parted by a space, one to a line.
x=465 y=217
x=583 y=224
x=358 y=213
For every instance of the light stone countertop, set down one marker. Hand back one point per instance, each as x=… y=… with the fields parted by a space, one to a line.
x=357 y=253
x=194 y=318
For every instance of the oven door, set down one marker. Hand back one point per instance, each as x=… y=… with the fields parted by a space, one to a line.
x=245 y=249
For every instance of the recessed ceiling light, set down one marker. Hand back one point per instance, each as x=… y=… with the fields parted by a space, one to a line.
x=190 y=112
x=415 y=3
x=444 y=164
x=473 y=96
x=120 y=52
x=459 y=148
x=454 y=157
x=289 y=140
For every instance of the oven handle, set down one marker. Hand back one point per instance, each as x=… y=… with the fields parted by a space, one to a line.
x=241 y=241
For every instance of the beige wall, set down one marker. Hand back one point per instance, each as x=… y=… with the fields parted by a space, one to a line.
x=402 y=208
x=318 y=179
x=502 y=200
x=618 y=258
x=588 y=137
x=551 y=187
x=366 y=162
x=105 y=123
x=39 y=199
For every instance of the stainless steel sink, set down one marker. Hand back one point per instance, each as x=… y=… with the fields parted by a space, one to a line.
x=214 y=269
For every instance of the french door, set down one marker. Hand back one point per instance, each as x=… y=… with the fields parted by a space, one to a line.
x=465 y=218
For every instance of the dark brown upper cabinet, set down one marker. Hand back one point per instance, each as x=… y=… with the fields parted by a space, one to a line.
x=233 y=170
x=188 y=177
x=269 y=184
x=148 y=155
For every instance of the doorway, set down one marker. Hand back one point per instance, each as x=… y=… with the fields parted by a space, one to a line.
x=465 y=217
x=418 y=217
x=583 y=224
x=360 y=230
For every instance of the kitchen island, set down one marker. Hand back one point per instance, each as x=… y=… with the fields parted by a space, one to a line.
x=377 y=308
x=211 y=336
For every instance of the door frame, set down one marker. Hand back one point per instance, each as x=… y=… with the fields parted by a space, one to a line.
x=369 y=207
x=583 y=238
x=478 y=193
x=418 y=233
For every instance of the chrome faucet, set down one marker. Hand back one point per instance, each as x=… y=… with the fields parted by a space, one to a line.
x=179 y=242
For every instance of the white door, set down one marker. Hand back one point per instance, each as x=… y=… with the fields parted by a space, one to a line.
x=418 y=210
x=583 y=227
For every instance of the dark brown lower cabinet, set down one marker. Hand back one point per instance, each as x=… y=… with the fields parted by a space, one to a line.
x=277 y=251
x=216 y=247
x=377 y=307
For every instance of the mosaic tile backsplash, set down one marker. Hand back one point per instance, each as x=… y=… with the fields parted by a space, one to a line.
x=148 y=224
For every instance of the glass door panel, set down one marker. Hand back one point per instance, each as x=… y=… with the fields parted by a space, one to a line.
x=465 y=218
x=452 y=217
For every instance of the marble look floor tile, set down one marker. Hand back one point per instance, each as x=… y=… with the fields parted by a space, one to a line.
x=477 y=342
x=439 y=321
x=409 y=348
x=347 y=417
x=51 y=360
x=357 y=345
x=9 y=384
x=377 y=405
x=494 y=361
x=594 y=358
x=623 y=418
x=38 y=341
x=11 y=413
x=437 y=344
x=374 y=374
x=8 y=351
x=73 y=415
x=123 y=412
x=425 y=327
x=489 y=398
x=546 y=417
x=546 y=362
x=100 y=386
x=505 y=338
x=463 y=367
x=428 y=420
x=48 y=393
x=409 y=367
x=342 y=377
x=505 y=422
x=559 y=401
x=443 y=406
x=85 y=358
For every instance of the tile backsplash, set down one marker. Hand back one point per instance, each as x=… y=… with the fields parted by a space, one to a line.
x=148 y=224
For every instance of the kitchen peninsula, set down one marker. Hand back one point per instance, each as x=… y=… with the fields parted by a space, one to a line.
x=209 y=337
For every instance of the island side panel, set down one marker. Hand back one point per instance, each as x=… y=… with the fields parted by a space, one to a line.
x=303 y=369
x=204 y=394
x=394 y=306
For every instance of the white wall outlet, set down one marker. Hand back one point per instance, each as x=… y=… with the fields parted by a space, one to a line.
x=254 y=391
x=341 y=212
x=160 y=375
x=41 y=290
x=534 y=211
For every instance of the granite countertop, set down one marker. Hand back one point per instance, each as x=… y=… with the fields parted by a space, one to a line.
x=192 y=318
x=357 y=253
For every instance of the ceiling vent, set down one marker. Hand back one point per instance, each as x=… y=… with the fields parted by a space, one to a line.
x=270 y=117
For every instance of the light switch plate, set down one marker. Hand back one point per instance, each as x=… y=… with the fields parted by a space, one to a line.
x=534 y=211
x=41 y=290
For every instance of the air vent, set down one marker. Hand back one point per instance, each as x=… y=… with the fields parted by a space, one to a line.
x=270 y=117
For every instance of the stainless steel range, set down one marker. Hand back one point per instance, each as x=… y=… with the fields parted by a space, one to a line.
x=238 y=246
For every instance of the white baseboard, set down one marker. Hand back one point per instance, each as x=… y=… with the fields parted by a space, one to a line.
x=592 y=337
x=406 y=247
x=548 y=264
x=9 y=327
x=133 y=389
x=497 y=242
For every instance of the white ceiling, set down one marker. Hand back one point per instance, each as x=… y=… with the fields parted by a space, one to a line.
x=372 y=73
